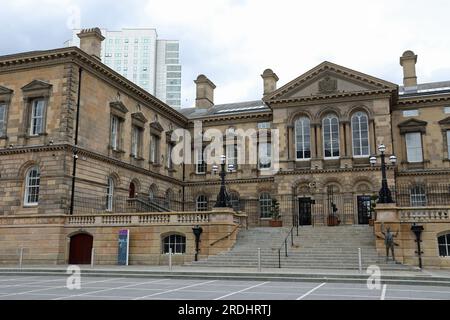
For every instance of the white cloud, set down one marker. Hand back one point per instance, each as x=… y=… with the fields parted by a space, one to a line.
x=233 y=41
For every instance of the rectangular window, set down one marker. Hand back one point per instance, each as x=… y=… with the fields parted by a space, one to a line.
x=173 y=81
x=200 y=167
x=173 y=75
x=446 y=109
x=448 y=143
x=154 y=148
x=173 y=68
x=172 y=47
x=172 y=54
x=2 y=119
x=414 y=147
x=114 y=133
x=264 y=155
x=37 y=117
x=232 y=155
x=135 y=141
x=264 y=125
x=410 y=113
x=169 y=156
x=172 y=61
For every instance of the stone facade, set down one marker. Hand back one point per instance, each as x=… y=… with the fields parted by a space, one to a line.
x=83 y=101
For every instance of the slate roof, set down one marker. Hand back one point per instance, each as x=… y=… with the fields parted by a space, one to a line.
x=226 y=109
x=424 y=89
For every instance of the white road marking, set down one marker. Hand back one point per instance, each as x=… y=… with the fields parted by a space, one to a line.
x=109 y=289
x=173 y=290
x=383 y=292
x=55 y=287
x=311 y=291
x=233 y=293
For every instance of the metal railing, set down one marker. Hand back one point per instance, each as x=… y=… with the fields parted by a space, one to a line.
x=285 y=245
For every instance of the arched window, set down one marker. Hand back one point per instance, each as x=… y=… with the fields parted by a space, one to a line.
x=330 y=125
x=201 y=203
x=109 y=194
x=418 y=196
x=175 y=242
x=444 y=245
x=152 y=192
x=169 y=198
x=32 y=183
x=302 y=138
x=265 y=202
x=235 y=201
x=360 y=134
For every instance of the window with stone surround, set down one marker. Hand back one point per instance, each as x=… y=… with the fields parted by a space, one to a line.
x=265 y=203
x=444 y=245
x=200 y=163
x=109 y=194
x=115 y=132
x=330 y=126
x=414 y=147
x=2 y=119
x=136 y=142
x=264 y=155
x=302 y=138
x=174 y=243
x=360 y=134
x=117 y=120
x=418 y=196
x=201 y=203
x=32 y=185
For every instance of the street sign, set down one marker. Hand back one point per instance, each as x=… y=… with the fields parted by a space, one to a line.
x=124 y=246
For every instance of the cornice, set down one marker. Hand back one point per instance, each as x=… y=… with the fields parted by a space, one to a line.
x=422 y=99
x=224 y=119
x=330 y=98
x=230 y=181
x=336 y=170
x=35 y=59
x=403 y=173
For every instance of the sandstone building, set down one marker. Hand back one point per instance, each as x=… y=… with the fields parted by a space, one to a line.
x=84 y=152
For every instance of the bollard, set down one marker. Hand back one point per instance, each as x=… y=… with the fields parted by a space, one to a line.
x=259 y=259
x=92 y=257
x=170 y=259
x=21 y=258
x=359 y=260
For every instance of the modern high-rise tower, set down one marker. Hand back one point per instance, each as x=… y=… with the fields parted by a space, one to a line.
x=139 y=56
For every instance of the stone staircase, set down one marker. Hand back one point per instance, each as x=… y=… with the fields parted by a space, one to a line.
x=314 y=248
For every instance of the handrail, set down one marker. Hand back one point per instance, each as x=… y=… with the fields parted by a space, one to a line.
x=284 y=243
x=224 y=237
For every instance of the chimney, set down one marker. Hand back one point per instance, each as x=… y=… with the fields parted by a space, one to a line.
x=91 y=41
x=205 y=92
x=408 y=62
x=270 y=81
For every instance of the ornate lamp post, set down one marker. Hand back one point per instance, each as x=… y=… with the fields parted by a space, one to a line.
x=197 y=230
x=223 y=198
x=417 y=230
x=384 y=194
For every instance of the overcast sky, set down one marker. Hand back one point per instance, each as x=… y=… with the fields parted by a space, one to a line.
x=233 y=41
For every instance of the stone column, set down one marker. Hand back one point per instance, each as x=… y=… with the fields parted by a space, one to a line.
x=372 y=138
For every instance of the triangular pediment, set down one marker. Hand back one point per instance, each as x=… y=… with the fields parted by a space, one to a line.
x=139 y=116
x=119 y=106
x=157 y=126
x=4 y=90
x=412 y=123
x=37 y=85
x=445 y=121
x=329 y=79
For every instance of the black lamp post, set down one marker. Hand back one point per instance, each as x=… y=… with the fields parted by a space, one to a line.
x=417 y=232
x=197 y=232
x=223 y=198
x=385 y=195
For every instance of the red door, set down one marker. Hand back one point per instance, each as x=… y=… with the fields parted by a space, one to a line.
x=80 y=249
x=132 y=191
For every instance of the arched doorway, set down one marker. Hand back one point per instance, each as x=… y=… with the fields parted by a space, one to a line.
x=80 y=248
x=132 y=190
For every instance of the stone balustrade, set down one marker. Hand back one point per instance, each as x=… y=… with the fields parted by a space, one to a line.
x=156 y=218
x=424 y=214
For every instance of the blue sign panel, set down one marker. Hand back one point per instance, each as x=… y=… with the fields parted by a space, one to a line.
x=124 y=245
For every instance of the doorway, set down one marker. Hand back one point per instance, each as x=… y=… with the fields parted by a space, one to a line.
x=363 y=209
x=304 y=211
x=80 y=248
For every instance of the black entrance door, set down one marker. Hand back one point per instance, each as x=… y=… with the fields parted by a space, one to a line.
x=304 y=211
x=363 y=209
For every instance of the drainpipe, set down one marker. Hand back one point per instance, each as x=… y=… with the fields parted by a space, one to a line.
x=75 y=151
